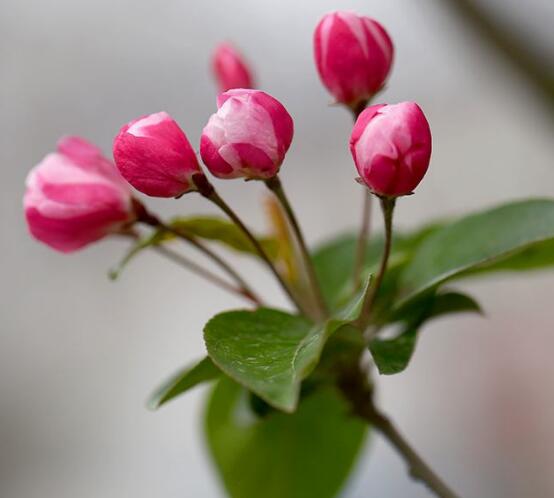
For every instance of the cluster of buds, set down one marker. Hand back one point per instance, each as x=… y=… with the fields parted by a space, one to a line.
x=77 y=196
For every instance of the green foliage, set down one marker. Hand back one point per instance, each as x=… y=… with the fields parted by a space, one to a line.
x=515 y=236
x=275 y=424
x=334 y=261
x=223 y=231
x=182 y=381
x=307 y=454
x=392 y=356
x=209 y=228
x=268 y=351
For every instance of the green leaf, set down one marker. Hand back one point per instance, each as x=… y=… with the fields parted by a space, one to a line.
x=307 y=454
x=334 y=260
x=515 y=236
x=182 y=381
x=453 y=302
x=433 y=305
x=223 y=231
x=268 y=351
x=393 y=355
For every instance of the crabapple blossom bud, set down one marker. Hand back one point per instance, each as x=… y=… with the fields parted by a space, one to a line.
x=230 y=69
x=247 y=137
x=154 y=155
x=353 y=55
x=391 y=147
x=76 y=196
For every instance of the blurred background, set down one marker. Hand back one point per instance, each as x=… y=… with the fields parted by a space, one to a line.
x=80 y=354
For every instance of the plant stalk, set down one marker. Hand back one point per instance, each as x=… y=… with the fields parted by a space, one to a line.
x=206 y=274
x=365 y=228
x=274 y=184
x=355 y=386
x=418 y=469
x=387 y=207
x=361 y=244
x=242 y=288
x=206 y=189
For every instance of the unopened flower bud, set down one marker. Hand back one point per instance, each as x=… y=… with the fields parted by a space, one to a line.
x=353 y=55
x=230 y=69
x=391 y=147
x=76 y=196
x=154 y=155
x=248 y=136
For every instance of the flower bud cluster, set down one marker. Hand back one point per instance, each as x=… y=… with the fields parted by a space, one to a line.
x=76 y=196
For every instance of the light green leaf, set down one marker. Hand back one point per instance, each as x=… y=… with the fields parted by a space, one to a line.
x=515 y=236
x=206 y=227
x=182 y=381
x=393 y=355
x=268 y=351
x=223 y=231
x=307 y=454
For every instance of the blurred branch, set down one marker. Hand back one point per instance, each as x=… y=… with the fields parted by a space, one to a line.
x=511 y=45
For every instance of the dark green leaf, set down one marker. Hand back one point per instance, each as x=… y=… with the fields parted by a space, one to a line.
x=182 y=381
x=393 y=355
x=307 y=454
x=268 y=351
x=453 y=302
x=515 y=236
x=433 y=305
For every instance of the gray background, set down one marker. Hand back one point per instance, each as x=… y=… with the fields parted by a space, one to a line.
x=79 y=354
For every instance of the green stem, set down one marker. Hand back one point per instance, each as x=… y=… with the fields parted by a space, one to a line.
x=387 y=207
x=206 y=189
x=361 y=245
x=363 y=234
x=274 y=184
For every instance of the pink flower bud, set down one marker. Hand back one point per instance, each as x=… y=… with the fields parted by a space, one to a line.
x=247 y=137
x=230 y=69
x=353 y=55
x=154 y=155
x=391 y=146
x=75 y=196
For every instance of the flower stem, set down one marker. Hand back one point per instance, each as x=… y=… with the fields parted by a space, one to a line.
x=207 y=275
x=206 y=189
x=365 y=228
x=387 y=207
x=242 y=287
x=274 y=184
x=361 y=245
